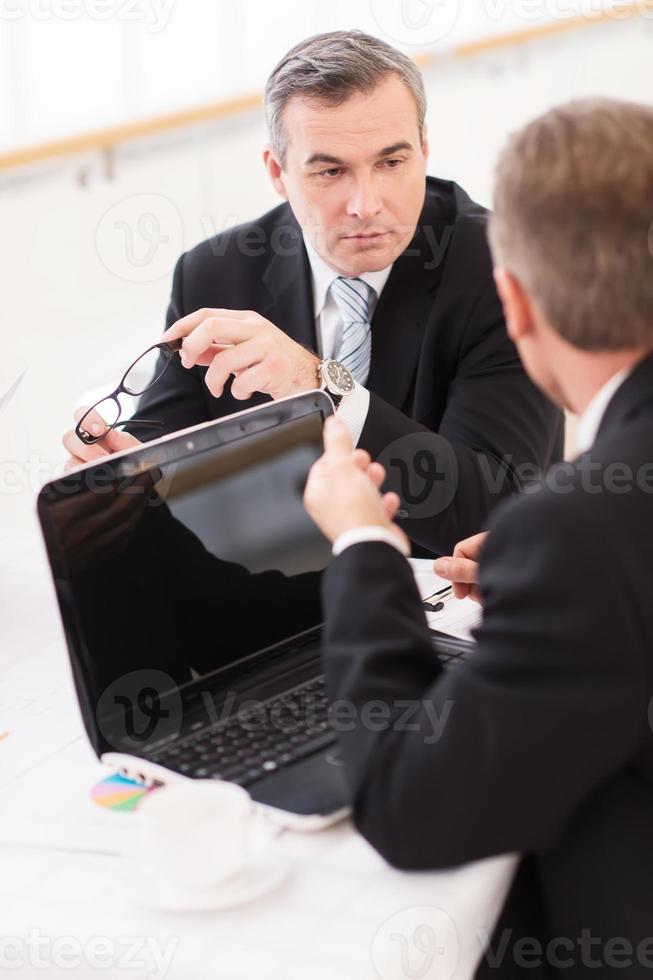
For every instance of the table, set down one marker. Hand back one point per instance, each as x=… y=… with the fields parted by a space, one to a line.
x=341 y=914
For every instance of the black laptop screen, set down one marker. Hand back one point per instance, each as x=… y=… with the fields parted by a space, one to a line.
x=186 y=567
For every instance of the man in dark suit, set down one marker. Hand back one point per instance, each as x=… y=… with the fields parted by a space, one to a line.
x=374 y=266
x=547 y=748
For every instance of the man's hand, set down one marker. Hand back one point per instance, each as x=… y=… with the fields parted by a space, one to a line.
x=245 y=344
x=80 y=453
x=342 y=491
x=462 y=567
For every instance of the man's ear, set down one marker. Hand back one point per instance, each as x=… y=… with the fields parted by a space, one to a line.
x=275 y=171
x=516 y=305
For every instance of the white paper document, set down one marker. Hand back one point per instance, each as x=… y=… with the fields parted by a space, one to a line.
x=459 y=616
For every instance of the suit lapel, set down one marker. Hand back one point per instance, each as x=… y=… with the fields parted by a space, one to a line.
x=400 y=318
x=287 y=279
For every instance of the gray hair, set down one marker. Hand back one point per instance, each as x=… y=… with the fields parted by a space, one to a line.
x=329 y=68
x=573 y=220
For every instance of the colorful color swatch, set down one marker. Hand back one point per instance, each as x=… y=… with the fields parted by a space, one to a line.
x=117 y=793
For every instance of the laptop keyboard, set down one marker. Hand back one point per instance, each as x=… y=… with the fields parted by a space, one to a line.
x=244 y=750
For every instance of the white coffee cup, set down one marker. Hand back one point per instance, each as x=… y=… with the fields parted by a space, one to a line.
x=193 y=834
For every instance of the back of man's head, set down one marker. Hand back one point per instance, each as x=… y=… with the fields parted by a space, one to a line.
x=573 y=221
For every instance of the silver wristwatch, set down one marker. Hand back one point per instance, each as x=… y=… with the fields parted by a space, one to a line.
x=335 y=379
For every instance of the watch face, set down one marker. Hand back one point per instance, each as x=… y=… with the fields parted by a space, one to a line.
x=339 y=378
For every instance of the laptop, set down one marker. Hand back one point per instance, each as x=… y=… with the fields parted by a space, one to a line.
x=188 y=575
x=188 y=578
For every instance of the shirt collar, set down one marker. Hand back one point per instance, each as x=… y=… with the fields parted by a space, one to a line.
x=590 y=421
x=323 y=275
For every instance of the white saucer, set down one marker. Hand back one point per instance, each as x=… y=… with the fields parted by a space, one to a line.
x=258 y=876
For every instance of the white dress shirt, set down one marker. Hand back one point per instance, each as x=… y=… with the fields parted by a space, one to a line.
x=328 y=328
x=369 y=532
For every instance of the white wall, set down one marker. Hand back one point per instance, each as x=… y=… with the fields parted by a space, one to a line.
x=141 y=57
x=74 y=309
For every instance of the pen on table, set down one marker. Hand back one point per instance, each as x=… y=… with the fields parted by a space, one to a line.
x=435 y=602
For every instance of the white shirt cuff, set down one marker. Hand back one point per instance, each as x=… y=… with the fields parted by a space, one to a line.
x=358 y=535
x=353 y=411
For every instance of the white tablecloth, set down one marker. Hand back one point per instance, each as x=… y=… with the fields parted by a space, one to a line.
x=341 y=914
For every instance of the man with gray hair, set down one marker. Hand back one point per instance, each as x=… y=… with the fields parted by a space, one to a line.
x=547 y=750
x=372 y=281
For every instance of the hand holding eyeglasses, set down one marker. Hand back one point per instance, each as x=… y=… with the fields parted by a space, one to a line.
x=96 y=433
x=260 y=356
x=242 y=343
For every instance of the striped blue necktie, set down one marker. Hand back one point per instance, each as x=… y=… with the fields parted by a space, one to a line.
x=352 y=297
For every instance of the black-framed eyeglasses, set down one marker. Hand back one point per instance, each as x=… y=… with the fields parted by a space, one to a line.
x=139 y=377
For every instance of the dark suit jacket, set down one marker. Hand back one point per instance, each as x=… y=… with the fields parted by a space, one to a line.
x=441 y=358
x=547 y=749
